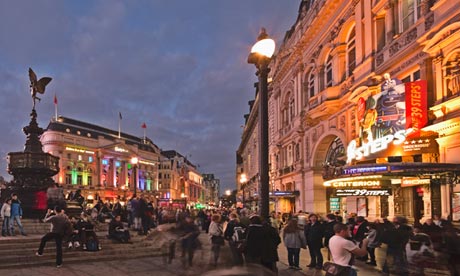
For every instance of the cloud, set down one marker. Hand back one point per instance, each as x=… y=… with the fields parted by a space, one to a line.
x=179 y=66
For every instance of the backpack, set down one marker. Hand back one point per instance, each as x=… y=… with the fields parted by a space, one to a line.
x=91 y=245
x=238 y=234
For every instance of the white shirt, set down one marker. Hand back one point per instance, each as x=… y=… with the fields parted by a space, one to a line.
x=341 y=250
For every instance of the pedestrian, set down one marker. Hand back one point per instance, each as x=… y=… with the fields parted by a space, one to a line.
x=374 y=242
x=343 y=250
x=60 y=225
x=261 y=243
x=228 y=235
x=189 y=240
x=396 y=240
x=331 y=220
x=16 y=214
x=5 y=214
x=216 y=234
x=314 y=233
x=359 y=231
x=294 y=240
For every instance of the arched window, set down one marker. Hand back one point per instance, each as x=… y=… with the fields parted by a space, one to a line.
x=287 y=109
x=351 y=53
x=452 y=77
x=328 y=71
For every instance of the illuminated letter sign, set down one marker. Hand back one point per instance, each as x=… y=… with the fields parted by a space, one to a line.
x=362 y=192
x=414 y=181
x=361 y=183
x=416 y=106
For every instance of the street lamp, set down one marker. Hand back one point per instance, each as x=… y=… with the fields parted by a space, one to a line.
x=260 y=56
x=134 y=162
x=243 y=180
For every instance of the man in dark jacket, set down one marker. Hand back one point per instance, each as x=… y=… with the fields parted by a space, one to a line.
x=331 y=220
x=261 y=243
x=60 y=225
x=359 y=233
x=396 y=239
x=314 y=233
x=228 y=235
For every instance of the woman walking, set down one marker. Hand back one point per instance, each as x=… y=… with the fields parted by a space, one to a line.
x=294 y=239
x=217 y=238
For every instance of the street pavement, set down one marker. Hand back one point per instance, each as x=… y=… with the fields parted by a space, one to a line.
x=160 y=266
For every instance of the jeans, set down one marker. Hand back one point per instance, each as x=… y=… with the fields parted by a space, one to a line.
x=293 y=256
x=6 y=226
x=58 y=238
x=18 y=221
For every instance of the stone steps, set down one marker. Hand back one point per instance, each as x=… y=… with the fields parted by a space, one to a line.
x=19 y=251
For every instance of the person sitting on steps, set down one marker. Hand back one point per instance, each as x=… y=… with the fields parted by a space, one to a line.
x=117 y=231
x=86 y=231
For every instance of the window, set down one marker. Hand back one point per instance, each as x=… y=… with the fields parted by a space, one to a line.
x=328 y=71
x=90 y=180
x=410 y=13
x=79 y=179
x=351 y=53
x=68 y=179
x=291 y=109
x=311 y=85
x=411 y=77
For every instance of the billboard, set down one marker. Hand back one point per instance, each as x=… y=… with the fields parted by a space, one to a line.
x=392 y=112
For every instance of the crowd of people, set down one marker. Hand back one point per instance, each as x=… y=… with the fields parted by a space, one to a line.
x=408 y=249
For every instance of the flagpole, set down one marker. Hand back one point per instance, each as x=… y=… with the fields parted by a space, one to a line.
x=119 y=125
x=55 y=108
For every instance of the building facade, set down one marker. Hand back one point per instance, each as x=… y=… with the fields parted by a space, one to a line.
x=99 y=161
x=364 y=108
x=212 y=188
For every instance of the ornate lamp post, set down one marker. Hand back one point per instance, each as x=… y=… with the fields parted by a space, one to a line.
x=260 y=56
x=134 y=162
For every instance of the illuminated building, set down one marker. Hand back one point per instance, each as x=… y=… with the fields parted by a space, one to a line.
x=97 y=160
x=335 y=114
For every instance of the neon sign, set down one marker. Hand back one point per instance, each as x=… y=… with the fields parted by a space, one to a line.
x=374 y=146
x=79 y=150
x=120 y=149
x=362 y=192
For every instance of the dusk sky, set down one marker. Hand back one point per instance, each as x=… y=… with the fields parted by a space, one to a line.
x=177 y=65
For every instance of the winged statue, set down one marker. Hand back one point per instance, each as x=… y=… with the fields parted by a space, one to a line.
x=37 y=86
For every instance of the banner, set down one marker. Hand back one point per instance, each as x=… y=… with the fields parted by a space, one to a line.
x=416 y=106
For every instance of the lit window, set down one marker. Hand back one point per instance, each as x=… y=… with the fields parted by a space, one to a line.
x=117 y=164
x=351 y=53
x=79 y=157
x=105 y=162
x=311 y=85
x=329 y=71
x=90 y=159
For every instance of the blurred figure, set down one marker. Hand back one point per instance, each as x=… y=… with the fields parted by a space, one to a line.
x=435 y=233
x=452 y=247
x=396 y=239
x=331 y=220
x=294 y=240
x=228 y=235
x=216 y=234
x=374 y=242
x=189 y=239
x=261 y=243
